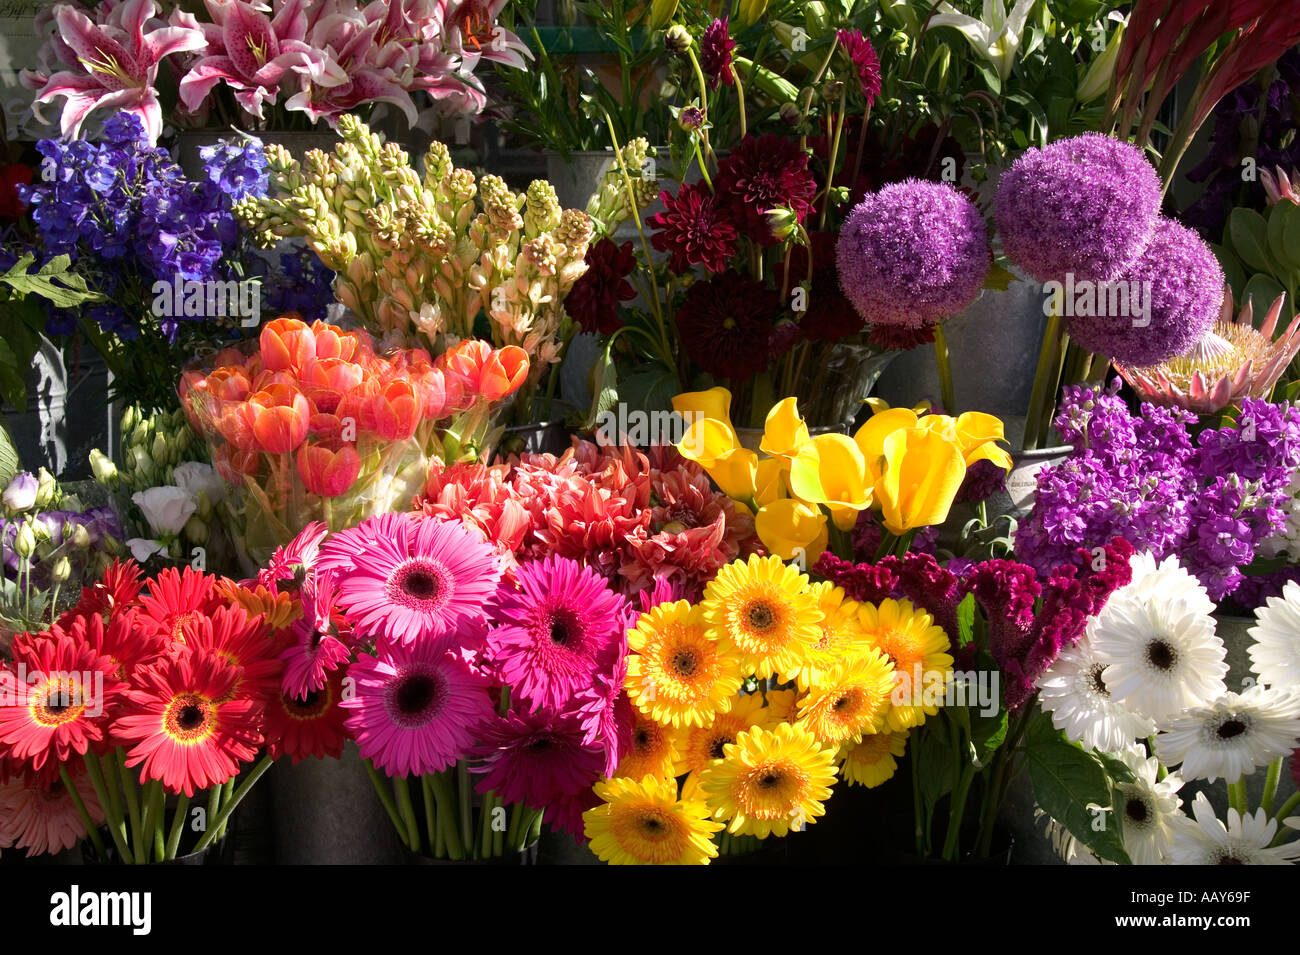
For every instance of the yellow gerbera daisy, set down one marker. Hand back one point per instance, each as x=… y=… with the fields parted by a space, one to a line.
x=697 y=746
x=770 y=781
x=782 y=706
x=651 y=753
x=841 y=634
x=762 y=609
x=851 y=701
x=919 y=651
x=871 y=761
x=644 y=823
x=678 y=673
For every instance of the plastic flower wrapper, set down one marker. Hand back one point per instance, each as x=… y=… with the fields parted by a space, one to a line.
x=315 y=425
x=419 y=257
x=807 y=491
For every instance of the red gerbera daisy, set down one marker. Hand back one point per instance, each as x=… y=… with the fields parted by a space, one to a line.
x=693 y=229
x=184 y=726
x=555 y=632
x=176 y=597
x=121 y=638
x=763 y=173
x=307 y=725
x=536 y=759
x=726 y=323
x=409 y=577
x=593 y=300
x=244 y=643
x=42 y=818
x=118 y=587
x=63 y=693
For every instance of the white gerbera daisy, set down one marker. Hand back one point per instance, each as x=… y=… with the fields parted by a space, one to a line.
x=1233 y=735
x=1160 y=651
x=1244 y=841
x=1275 y=655
x=1070 y=849
x=1166 y=580
x=1073 y=691
x=1149 y=808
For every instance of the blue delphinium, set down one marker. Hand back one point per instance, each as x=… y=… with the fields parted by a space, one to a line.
x=1211 y=502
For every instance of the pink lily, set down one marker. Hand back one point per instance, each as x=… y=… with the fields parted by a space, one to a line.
x=112 y=64
x=249 y=51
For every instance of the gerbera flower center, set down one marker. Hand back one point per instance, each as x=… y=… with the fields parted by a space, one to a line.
x=564 y=629
x=1096 y=682
x=685 y=662
x=189 y=717
x=1228 y=857
x=309 y=706
x=654 y=825
x=1231 y=727
x=1161 y=655
x=415 y=698
x=717 y=749
x=1135 y=810
x=58 y=703
x=760 y=616
x=419 y=585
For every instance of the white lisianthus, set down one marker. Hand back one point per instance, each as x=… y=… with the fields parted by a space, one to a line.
x=195 y=476
x=142 y=548
x=166 y=508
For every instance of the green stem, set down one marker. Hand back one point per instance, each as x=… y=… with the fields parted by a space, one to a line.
x=144 y=844
x=918 y=814
x=1044 y=379
x=485 y=827
x=1237 y=796
x=160 y=824
x=227 y=790
x=945 y=371
x=740 y=101
x=112 y=811
x=957 y=811
x=178 y=826
x=91 y=829
x=1270 y=786
x=407 y=810
x=385 y=794
x=240 y=792
x=1288 y=807
x=465 y=803
x=834 y=157
x=113 y=783
x=447 y=815
x=430 y=813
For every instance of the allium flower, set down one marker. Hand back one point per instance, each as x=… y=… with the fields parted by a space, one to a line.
x=725 y=322
x=410 y=578
x=1232 y=736
x=594 y=299
x=1229 y=362
x=716 y=46
x=1245 y=840
x=42 y=818
x=1186 y=293
x=694 y=229
x=763 y=173
x=863 y=56
x=416 y=707
x=913 y=254
x=560 y=627
x=1085 y=206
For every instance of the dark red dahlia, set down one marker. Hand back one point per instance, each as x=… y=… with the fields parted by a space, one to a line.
x=694 y=229
x=865 y=61
x=762 y=173
x=829 y=316
x=593 y=300
x=726 y=325
x=715 y=53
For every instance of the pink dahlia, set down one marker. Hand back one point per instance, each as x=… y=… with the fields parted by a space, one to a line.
x=43 y=819
x=408 y=577
x=864 y=59
x=482 y=499
x=536 y=759
x=694 y=229
x=555 y=631
x=763 y=173
x=415 y=708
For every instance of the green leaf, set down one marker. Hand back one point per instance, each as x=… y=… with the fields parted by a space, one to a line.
x=1067 y=781
x=52 y=281
x=13 y=381
x=1249 y=234
x=987 y=734
x=991 y=78
x=1116 y=768
x=1263 y=291
x=965 y=620
x=651 y=388
x=1232 y=268
x=1289 y=213
x=605 y=388
x=9 y=461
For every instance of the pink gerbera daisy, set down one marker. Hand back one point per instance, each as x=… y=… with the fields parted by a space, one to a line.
x=307 y=664
x=408 y=577
x=415 y=708
x=606 y=713
x=536 y=759
x=555 y=631
x=289 y=562
x=43 y=819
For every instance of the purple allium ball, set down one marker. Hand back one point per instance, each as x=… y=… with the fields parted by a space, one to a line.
x=1085 y=205
x=913 y=254
x=1186 y=285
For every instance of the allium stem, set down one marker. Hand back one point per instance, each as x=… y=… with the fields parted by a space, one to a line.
x=945 y=371
x=1047 y=375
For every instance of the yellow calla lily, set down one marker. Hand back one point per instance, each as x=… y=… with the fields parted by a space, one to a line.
x=784 y=432
x=706 y=440
x=790 y=528
x=736 y=474
x=830 y=469
x=770 y=481
x=714 y=403
x=923 y=471
x=878 y=405
x=870 y=438
x=976 y=435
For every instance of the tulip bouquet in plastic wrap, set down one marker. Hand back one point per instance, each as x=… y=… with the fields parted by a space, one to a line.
x=420 y=257
x=315 y=424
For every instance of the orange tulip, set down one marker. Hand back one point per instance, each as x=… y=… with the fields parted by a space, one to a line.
x=287 y=343
x=326 y=380
x=229 y=383
x=325 y=472
x=431 y=384
x=332 y=341
x=234 y=423
x=280 y=416
x=395 y=411
x=503 y=372
x=232 y=463
x=356 y=405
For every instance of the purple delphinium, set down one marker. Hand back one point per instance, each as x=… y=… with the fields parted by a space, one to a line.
x=913 y=254
x=1211 y=503
x=1085 y=205
x=1186 y=294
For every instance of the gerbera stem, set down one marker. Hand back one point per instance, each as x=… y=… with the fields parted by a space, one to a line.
x=465 y=803
x=485 y=835
x=447 y=815
x=516 y=814
x=386 y=797
x=957 y=812
x=91 y=829
x=107 y=802
x=217 y=827
x=178 y=826
x=945 y=370
x=430 y=815
x=144 y=844
x=226 y=791
x=1237 y=795
x=1288 y=807
x=407 y=810
x=132 y=802
x=1270 y=786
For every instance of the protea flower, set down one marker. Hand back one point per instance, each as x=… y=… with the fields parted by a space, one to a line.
x=1232 y=361
x=1279 y=186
